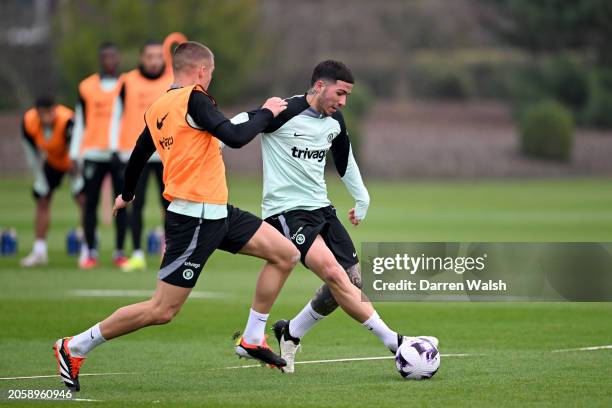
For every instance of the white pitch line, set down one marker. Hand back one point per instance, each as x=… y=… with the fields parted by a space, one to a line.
x=33 y=377
x=342 y=360
x=70 y=399
x=609 y=346
x=83 y=400
x=337 y=360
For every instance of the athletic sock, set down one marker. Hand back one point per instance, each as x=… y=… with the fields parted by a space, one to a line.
x=304 y=321
x=93 y=253
x=255 y=328
x=83 y=343
x=84 y=252
x=40 y=247
x=138 y=253
x=382 y=331
x=118 y=253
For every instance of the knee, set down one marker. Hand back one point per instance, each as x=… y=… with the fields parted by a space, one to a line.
x=163 y=314
x=288 y=258
x=334 y=275
x=293 y=257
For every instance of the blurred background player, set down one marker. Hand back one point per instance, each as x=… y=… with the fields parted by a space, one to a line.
x=96 y=126
x=47 y=129
x=141 y=87
x=295 y=202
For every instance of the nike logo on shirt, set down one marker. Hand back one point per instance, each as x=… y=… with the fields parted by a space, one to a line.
x=160 y=123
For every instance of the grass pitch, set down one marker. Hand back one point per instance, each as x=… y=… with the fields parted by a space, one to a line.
x=186 y=363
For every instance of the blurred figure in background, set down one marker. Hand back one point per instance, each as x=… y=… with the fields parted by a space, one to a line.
x=96 y=129
x=141 y=87
x=47 y=129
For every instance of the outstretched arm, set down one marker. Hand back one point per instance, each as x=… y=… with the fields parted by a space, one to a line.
x=295 y=105
x=205 y=115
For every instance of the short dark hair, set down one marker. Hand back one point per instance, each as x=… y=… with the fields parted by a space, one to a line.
x=108 y=45
x=44 y=102
x=332 y=70
x=189 y=54
x=148 y=43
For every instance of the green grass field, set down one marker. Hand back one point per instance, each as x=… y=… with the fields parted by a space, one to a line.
x=186 y=363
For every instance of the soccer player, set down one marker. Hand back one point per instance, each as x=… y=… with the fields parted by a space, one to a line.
x=96 y=124
x=294 y=148
x=47 y=129
x=141 y=87
x=185 y=127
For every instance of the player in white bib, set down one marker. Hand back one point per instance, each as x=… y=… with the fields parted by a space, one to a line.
x=294 y=149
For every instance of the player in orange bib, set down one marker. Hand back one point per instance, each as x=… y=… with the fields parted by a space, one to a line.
x=141 y=87
x=97 y=119
x=47 y=129
x=185 y=127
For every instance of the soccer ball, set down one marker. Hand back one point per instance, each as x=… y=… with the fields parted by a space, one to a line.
x=417 y=358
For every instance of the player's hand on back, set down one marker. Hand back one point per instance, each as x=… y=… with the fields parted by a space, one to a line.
x=275 y=105
x=352 y=217
x=119 y=204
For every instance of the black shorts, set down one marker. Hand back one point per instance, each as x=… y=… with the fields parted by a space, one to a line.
x=190 y=241
x=54 y=179
x=303 y=226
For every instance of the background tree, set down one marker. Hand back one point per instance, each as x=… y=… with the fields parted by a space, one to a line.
x=229 y=28
x=583 y=26
x=570 y=43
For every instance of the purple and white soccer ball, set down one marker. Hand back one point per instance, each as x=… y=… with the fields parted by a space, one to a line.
x=417 y=359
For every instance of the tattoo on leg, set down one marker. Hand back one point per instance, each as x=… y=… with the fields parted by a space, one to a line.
x=324 y=303
x=354 y=274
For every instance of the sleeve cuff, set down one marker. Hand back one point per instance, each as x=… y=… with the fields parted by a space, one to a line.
x=268 y=113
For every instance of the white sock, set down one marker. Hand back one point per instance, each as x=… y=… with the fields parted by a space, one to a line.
x=304 y=321
x=84 y=252
x=138 y=253
x=83 y=343
x=382 y=331
x=255 y=327
x=40 y=247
